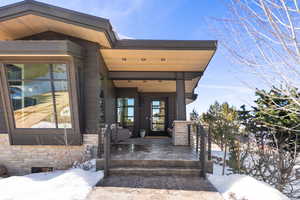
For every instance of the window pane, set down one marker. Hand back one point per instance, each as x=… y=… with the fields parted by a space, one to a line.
x=155 y=103
x=62 y=104
x=130 y=102
x=129 y=111
x=27 y=71
x=125 y=111
x=158 y=127
x=59 y=71
x=128 y=121
x=32 y=104
x=158 y=112
x=158 y=119
x=119 y=115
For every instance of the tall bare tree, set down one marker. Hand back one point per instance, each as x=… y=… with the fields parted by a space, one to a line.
x=264 y=36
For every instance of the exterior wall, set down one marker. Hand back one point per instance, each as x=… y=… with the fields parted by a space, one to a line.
x=3 y=128
x=91 y=80
x=20 y=159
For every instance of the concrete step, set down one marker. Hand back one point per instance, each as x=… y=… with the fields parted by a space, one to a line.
x=154 y=171
x=152 y=163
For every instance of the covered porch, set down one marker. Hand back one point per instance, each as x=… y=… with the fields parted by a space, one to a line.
x=154 y=81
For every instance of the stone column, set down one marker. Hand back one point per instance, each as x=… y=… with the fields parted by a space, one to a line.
x=180 y=133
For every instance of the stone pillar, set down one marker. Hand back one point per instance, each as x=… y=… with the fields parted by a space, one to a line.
x=180 y=97
x=180 y=133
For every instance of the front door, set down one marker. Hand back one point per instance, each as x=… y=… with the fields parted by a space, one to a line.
x=158 y=117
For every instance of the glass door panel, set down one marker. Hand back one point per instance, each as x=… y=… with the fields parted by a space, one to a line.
x=158 y=117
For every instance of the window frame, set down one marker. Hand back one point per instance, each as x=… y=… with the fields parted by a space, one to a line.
x=127 y=116
x=42 y=136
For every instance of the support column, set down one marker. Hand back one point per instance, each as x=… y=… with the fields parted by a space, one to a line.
x=180 y=97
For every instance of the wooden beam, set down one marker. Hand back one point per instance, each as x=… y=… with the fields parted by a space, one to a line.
x=139 y=75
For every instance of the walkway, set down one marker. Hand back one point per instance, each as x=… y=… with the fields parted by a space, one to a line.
x=154 y=188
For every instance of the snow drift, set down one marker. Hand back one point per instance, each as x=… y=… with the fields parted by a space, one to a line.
x=244 y=187
x=72 y=184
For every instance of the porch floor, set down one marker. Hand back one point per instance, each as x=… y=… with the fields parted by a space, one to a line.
x=151 y=149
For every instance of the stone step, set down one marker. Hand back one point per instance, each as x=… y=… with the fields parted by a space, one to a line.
x=151 y=163
x=124 y=171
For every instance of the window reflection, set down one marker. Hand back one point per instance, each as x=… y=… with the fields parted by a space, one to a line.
x=39 y=95
x=125 y=111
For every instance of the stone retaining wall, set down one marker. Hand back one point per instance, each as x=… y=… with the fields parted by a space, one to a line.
x=19 y=159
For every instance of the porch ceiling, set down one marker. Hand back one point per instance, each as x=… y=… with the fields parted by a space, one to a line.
x=156 y=60
x=156 y=85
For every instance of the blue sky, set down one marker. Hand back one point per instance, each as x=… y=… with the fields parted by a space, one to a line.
x=173 y=19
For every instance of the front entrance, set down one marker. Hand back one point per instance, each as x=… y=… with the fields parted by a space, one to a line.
x=158 y=117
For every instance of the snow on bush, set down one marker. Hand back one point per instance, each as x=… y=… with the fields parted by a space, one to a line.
x=72 y=184
x=242 y=187
x=89 y=165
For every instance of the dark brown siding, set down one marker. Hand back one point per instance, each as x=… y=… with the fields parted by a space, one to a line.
x=109 y=93
x=3 y=128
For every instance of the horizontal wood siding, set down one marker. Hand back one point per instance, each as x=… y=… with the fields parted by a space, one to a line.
x=3 y=127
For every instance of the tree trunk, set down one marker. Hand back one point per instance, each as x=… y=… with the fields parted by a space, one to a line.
x=224 y=159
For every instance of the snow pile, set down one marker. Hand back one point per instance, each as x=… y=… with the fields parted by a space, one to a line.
x=238 y=187
x=72 y=184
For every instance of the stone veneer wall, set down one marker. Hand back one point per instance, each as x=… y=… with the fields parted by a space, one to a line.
x=180 y=133
x=19 y=159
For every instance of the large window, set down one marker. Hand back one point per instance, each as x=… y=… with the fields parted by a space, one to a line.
x=39 y=95
x=125 y=109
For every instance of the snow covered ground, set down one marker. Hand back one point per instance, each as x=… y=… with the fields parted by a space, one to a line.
x=72 y=184
x=238 y=187
x=241 y=187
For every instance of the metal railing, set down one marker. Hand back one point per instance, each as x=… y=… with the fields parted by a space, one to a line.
x=106 y=149
x=203 y=144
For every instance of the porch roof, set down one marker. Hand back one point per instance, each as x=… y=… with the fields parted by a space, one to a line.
x=30 y=17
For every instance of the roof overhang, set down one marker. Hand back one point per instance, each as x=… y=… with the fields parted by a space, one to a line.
x=30 y=17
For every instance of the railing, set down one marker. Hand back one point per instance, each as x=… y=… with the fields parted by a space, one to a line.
x=107 y=155
x=203 y=144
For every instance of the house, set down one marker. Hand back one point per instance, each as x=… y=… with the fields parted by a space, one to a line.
x=66 y=74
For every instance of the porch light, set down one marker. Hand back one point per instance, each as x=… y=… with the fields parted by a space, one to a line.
x=124 y=59
x=163 y=59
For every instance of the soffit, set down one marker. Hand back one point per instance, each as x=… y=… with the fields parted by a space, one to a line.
x=156 y=60
x=30 y=24
x=155 y=85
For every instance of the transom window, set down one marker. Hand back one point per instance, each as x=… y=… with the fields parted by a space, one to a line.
x=125 y=111
x=39 y=95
